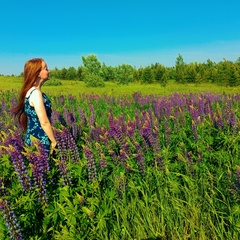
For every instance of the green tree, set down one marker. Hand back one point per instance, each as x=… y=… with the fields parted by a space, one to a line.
x=222 y=71
x=124 y=74
x=80 y=73
x=233 y=75
x=140 y=74
x=180 y=66
x=107 y=73
x=238 y=61
x=164 y=79
x=63 y=73
x=136 y=77
x=159 y=71
x=210 y=72
x=147 y=76
x=71 y=73
x=92 y=71
x=190 y=73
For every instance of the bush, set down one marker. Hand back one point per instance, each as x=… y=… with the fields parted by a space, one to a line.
x=93 y=80
x=53 y=82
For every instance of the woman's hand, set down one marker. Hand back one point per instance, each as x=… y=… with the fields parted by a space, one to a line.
x=53 y=147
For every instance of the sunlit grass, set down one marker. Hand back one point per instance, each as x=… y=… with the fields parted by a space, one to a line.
x=78 y=87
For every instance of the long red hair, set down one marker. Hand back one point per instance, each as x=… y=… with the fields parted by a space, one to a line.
x=31 y=72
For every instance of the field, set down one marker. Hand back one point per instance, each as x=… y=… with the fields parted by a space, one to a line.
x=77 y=87
x=133 y=162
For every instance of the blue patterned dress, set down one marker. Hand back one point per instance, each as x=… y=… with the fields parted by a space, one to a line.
x=34 y=127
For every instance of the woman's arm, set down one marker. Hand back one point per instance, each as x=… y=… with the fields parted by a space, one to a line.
x=36 y=100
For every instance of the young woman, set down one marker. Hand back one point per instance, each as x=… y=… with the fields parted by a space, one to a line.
x=34 y=108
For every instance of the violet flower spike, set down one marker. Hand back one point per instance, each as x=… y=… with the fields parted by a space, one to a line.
x=91 y=164
x=11 y=221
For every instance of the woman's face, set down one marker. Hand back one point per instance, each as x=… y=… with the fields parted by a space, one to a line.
x=44 y=74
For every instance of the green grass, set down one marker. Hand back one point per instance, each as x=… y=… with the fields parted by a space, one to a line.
x=78 y=87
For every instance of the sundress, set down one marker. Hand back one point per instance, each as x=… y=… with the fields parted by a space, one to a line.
x=34 y=127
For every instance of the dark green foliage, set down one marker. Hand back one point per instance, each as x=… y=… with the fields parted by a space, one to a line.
x=93 y=80
x=53 y=82
x=123 y=74
x=147 y=75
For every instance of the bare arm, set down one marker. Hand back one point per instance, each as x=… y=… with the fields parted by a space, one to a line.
x=36 y=100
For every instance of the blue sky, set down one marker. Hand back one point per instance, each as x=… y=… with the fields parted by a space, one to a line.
x=138 y=33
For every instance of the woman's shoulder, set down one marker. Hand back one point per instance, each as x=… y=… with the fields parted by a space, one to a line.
x=30 y=91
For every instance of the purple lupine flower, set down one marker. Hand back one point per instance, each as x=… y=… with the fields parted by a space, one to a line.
x=227 y=109
x=66 y=115
x=61 y=144
x=140 y=158
x=194 y=130
x=14 y=139
x=218 y=120
x=175 y=119
x=131 y=128
x=102 y=162
x=167 y=132
x=114 y=156
x=194 y=114
x=201 y=107
x=104 y=138
x=137 y=119
x=168 y=109
x=123 y=158
x=208 y=109
x=70 y=144
x=232 y=120
x=91 y=163
x=92 y=116
x=64 y=173
x=40 y=166
x=73 y=125
x=181 y=116
x=115 y=130
x=61 y=100
x=62 y=147
x=82 y=116
x=62 y=120
x=94 y=133
x=237 y=182
x=65 y=143
x=146 y=133
x=121 y=123
x=11 y=221
x=17 y=160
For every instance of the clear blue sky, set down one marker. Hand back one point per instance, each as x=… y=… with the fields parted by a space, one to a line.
x=138 y=33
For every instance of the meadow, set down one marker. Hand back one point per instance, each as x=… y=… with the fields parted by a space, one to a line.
x=76 y=88
x=133 y=162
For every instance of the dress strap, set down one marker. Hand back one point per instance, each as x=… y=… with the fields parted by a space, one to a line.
x=31 y=92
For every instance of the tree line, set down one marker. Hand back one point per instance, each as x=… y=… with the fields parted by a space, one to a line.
x=95 y=74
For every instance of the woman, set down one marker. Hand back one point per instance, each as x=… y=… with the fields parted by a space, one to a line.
x=34 y=108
